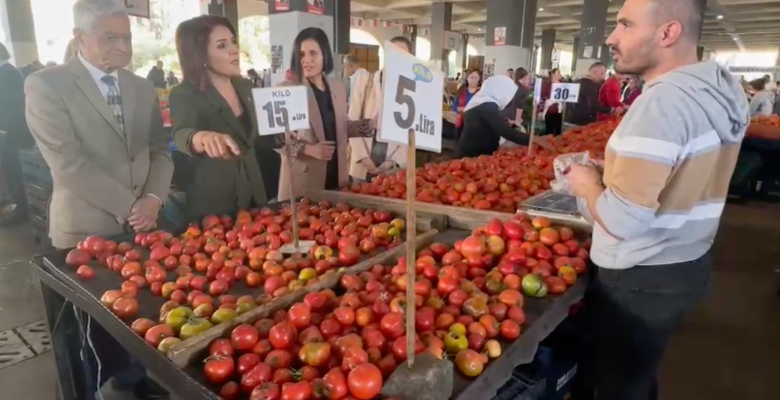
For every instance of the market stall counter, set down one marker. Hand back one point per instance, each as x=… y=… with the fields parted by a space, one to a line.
x=181 y=372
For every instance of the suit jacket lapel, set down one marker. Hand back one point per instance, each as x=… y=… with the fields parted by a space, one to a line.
x=88 y=86
x=224 y=111
x=245 y=95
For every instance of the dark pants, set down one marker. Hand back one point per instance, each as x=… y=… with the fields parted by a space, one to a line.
x=12 y=178
x=629 y=317
x=553 y=123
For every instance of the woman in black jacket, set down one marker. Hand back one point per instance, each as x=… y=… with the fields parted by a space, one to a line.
x=483 y=125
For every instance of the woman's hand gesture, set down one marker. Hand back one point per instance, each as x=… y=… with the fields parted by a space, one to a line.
x=321 y=151
x=215 y=145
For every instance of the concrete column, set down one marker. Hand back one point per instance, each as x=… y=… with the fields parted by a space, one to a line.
x=548 y=44
x=441 y=23
x=592 y=29
x=464 y=51
x=227 y=9
x=509 y=39
x=575 y=48
x=606 y=57
x=17 y=22
x=413 y=30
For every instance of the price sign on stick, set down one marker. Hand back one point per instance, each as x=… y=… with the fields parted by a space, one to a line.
x=565 y=92
x=282 y=110
x=411 y=116
x=412 y=99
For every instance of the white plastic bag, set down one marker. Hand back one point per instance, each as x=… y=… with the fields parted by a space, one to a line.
x=561 y=166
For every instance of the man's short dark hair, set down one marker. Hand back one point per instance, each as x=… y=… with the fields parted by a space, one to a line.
x=597 y=64
x=520 y=73
x=403 y=39
x=689 y=12
x=4 y=54
x=758 y=84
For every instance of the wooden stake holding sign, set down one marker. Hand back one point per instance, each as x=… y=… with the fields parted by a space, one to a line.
x=411 y=116
x=534 y=112
x=283 y=110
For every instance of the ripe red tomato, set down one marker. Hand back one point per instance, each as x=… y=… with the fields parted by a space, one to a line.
x=353 y=357
x=85 y=272
x=299 y=315
x=218 y=369
x=246 y=362
x=392 y=325
x=329 y=328
x=244 y=337
x=258 y=375
x=296 y=391
x=279 y=359
x=283 y=335
x=266 y=391
x=125 y=308
x=157 y=333
x=344 y=315
x=221 y=347
x=365 y=381
x=229 y=391
x=335 y=383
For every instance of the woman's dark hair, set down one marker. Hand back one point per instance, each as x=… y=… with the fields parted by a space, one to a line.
x=192 y=44
x=465 y=84
x=758 y=84
x=319 y=36
x=520 y=73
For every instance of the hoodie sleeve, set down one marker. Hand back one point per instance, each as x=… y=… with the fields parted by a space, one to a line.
x=639 y=160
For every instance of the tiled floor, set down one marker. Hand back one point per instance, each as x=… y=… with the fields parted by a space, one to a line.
x=728 y=349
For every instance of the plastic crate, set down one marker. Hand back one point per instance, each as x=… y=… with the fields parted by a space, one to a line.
x=522 y=387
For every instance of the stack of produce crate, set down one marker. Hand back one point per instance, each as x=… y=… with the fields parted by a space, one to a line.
x=38 y=185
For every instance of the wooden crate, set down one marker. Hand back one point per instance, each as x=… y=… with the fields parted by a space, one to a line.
x=457 y=217
x=188 y=351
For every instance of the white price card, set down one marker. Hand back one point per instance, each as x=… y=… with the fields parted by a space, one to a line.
x=412 y=99
x=565 y=92
x=281 y=109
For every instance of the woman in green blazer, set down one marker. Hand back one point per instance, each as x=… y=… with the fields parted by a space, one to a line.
x=214 y=120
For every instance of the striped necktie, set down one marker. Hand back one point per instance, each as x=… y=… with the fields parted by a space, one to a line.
x=114 y=100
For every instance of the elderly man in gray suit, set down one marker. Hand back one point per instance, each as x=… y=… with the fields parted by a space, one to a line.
x=100 y=130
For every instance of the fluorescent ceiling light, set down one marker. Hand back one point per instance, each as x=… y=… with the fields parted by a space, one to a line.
x=719 y=17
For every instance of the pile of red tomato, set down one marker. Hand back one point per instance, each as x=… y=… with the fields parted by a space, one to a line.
x=196 y=271
x=496 y=182
x=344 y=343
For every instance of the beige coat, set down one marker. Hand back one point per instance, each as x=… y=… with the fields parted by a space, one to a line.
x=310 y=173
x=370 y=104
x=98 y=170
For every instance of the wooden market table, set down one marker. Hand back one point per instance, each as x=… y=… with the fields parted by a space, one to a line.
x=65 y=296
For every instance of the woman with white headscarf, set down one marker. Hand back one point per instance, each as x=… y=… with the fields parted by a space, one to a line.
x=483 y=124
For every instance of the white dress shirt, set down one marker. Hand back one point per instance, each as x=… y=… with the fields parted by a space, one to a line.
x=97 y=75
x=352 y=79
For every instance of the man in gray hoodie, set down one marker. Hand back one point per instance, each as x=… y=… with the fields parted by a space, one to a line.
x=657 y=207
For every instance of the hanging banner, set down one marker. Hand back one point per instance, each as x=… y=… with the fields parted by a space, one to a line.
x=767 y=70
x=282 y=5
x=138 y=8
x=499 y=36
x=315 y=6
